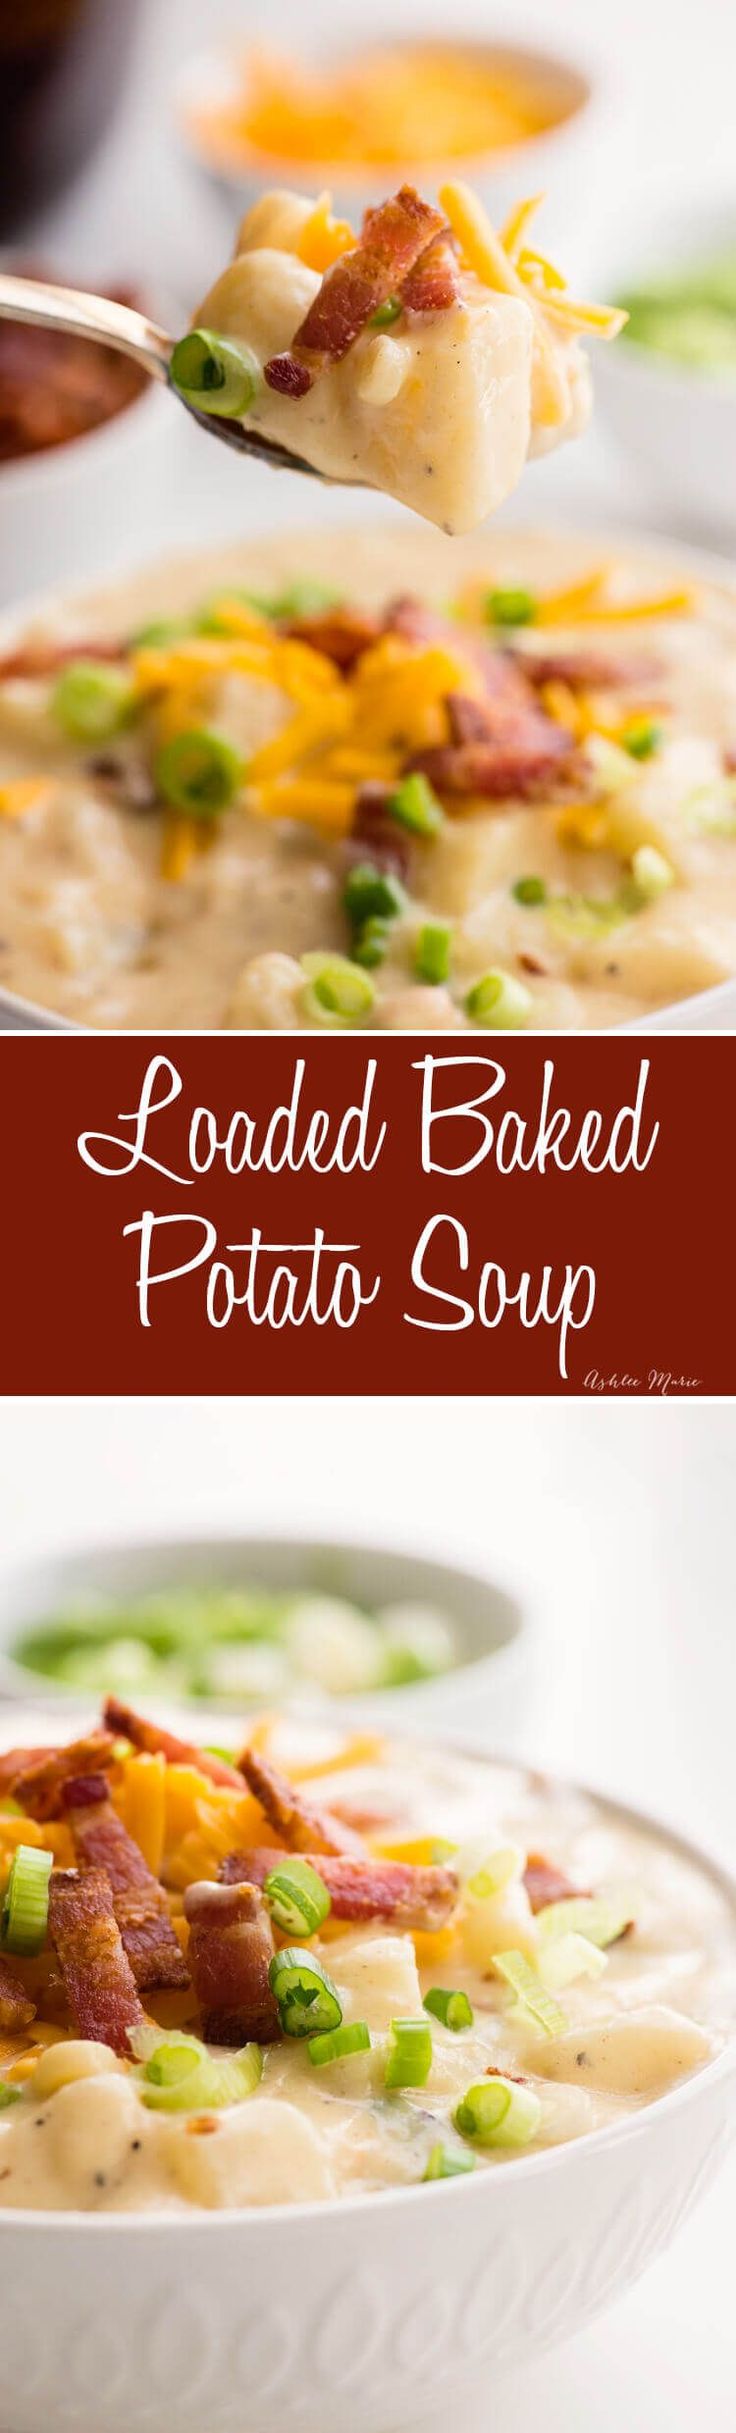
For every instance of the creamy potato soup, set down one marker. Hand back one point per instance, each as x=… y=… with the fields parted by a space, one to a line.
x=327 y=1968
x=373 y=780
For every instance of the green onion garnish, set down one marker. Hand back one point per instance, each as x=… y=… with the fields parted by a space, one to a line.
x=308 y=2002
x=26 y=1905
x=498 y=1002
x=600 y=1918
x=8 y=2095
x=433 y=953
x=298 y=1900
x=530 y=891
x=217 y=375
x=497 y=2112
x=180 y=2075
x=303 y=598
x=564 y=1959
x=90 y=701
x=531 y=1995
x=502 y=1867
x=386 y=313
x=339 y=2042
x=371 y=943
x=641 y=738
x=651 y=876
x=337 y=992
x=372 y=894
x=510 y=607
x=453 y=2009
x=409 y=2057
x=161 y=631
x=446 y=2162
x=416 y=807
x=198 y=772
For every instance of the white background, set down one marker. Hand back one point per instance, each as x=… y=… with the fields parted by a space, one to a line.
x=617 y=1521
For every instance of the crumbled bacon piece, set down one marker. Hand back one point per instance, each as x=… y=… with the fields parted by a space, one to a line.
x=469 y=719
x=39 y=659
x=586 y=670
x=40 y=1787
x=391 y=242
x=544 y=1882
x=419 y=1899
x=497 y=770
x=341 y=634
x=98 y=1979
x=152 y=1738
x=13 y=1763
x=230 y=1948
x=434 y=283
x=375 y=835
x=301 y=1824
x=139 y=1901
x=16 y=2010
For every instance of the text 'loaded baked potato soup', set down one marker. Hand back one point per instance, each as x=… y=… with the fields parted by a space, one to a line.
x=429 y=357
x=327 y=1969
x=373 y=779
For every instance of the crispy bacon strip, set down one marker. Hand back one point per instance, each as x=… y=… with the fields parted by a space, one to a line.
x=341 y=634
x=468 y=719
x=14 y=1762
x=522 y=747
x=98 y=1978
x=583 y=670
x=230 y=1947
x=375 y=836
x=152 y=1738
x=48 y=658
x=16 y=2011
x=417 y=1898
x=301 y=1824
x=545 y=1883
x=139 y=1902
x=434 y=283
x=391 y=242
x=40 y=1788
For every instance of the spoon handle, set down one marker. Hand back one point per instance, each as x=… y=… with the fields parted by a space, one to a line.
x=96 y=317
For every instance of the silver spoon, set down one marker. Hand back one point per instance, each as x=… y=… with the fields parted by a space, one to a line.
x=117 y=325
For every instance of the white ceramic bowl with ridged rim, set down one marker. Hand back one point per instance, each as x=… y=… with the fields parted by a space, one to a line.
x=709 y=1010
x=494 y=1624
x=383 y=2310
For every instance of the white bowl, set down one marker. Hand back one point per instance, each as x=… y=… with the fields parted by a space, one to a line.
x=493 y=1627
x=555 y=161
x=390 y=2310
x=677 y=425
x=710 y=1010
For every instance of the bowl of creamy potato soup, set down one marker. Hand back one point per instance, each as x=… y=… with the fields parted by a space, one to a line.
x=375 y=780
x=331 y=2070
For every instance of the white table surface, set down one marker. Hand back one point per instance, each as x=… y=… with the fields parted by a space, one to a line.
x=617 y=1520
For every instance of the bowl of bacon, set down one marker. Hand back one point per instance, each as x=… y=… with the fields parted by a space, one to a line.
x=337 y=2075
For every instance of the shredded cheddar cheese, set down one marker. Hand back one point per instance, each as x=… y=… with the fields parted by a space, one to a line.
x=323 y=239
x=23 y=794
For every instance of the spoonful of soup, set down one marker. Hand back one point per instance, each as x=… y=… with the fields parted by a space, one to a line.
x=427 y=357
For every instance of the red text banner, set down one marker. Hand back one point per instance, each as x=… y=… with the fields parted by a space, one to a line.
x=337 y=1215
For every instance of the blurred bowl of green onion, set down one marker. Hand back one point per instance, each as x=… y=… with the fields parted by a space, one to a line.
x=669 y=397
x=244 y=1622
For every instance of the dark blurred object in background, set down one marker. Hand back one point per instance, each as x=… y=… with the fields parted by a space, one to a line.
x=62 y=69
x=54 y=387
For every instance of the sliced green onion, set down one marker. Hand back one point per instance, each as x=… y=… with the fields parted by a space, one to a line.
x=497 y=2112
x=641 y=738
x=530 y=891
x=386 y=313
x=601 y=1918
x=501 y=1868
x=303 y=598
x=452 y=2008
x=298 y=1900
x=510 y=607
x=8 y=2095
x=181 y=2076
x=498 y=1002
x=217 y=375
x=446 y=2163
x=198 y=772
x=532 y=1997
x=90 y=701
x=409 y=2057
x=567 y=1958
x=308 y=2002
x=26 y=1904
x=339 y=2042
x=370 y=893
x=416 y=807
x=161 y=631
x=433 y=953
x=651 y=876
x=371 y=943
x=337 y=992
